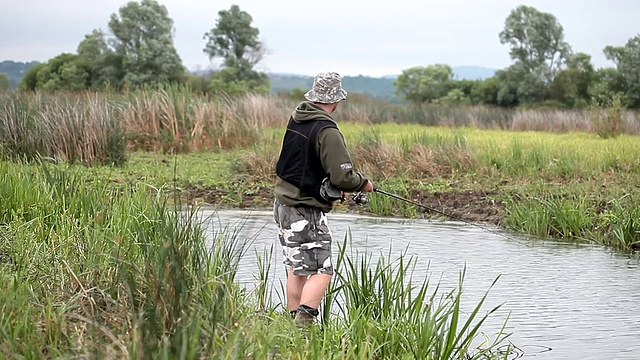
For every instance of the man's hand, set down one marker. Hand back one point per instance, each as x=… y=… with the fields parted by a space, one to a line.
x=368 y=187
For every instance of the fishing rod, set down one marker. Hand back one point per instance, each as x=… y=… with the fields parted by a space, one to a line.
x=439 y=212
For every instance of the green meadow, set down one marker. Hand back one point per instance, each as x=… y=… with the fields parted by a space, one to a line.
x=545 y=173
x=573 y=186
x=102 y=255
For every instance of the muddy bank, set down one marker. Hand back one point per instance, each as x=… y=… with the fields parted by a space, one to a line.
x=474 y=206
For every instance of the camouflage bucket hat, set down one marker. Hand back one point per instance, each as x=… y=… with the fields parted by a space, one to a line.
x=326 y=89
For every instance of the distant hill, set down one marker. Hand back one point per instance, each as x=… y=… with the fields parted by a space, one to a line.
x=372 y=86
x=15 y=70
x=377 y=87
x=464 y=73
x=288 y=82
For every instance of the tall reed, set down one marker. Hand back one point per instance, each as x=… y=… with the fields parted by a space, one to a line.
x=97 y=128
x=482 y=117
x=391 y=316
x=73 y=128
x=98 y=272
x=173 y=119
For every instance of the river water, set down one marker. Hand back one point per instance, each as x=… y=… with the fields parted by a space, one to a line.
x=563 y=301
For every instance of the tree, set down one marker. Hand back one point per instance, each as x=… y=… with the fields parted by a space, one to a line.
x=465 y=86
x=30 y=79
x=605 y=84
x=93 y=47
x=518 y=85
x=508 y=82
x=63 y=72
x=571 y=85
x=5 y=84
x=537 y=42
x=235 y=41
x=228 y=81
x=143 y=44
x=454 y=97
x=421 y=84
x=613 y=53
x=629 y=68
x=138 y=51
x=98 y=57
x=486 y=91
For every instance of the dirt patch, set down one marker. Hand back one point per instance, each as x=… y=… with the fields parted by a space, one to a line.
x=473 y=206
x=262 y=197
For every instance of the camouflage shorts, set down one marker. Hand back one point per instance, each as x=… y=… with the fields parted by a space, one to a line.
x=305 y=238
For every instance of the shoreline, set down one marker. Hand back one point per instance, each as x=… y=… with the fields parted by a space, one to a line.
x=471 y=205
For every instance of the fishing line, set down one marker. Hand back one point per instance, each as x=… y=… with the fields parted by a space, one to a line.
x=397 y=197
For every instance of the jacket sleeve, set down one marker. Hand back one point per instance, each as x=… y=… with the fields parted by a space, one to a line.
x=336 y=161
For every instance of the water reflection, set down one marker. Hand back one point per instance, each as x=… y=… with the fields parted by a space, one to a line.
x=579 y=301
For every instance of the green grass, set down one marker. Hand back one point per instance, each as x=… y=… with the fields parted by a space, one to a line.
x=91 y=270
x=227 y=152
x=97 y=261
x=514 y=153
x=550 y=184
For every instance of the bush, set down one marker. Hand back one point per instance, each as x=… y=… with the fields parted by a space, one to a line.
x=607 y=117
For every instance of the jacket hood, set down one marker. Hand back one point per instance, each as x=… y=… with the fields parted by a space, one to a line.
x=308 y=111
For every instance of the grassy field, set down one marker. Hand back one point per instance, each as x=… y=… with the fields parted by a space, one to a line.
x=97 y=260
x=92 y=271
x=546 y=172
x=571 y=185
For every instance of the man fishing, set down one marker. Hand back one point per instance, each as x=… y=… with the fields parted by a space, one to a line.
x=314 y=170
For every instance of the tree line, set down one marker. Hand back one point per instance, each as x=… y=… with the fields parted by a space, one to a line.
x=545 y=71
x=137 y=50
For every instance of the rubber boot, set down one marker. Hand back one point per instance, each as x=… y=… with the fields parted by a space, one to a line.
x=306 y=315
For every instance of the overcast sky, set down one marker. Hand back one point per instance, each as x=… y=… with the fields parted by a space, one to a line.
x=349 y=36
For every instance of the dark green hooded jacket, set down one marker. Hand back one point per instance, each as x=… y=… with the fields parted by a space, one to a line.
x=334 y=156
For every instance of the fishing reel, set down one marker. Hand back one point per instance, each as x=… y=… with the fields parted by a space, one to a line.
x=331 y=193
x=360 y=198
